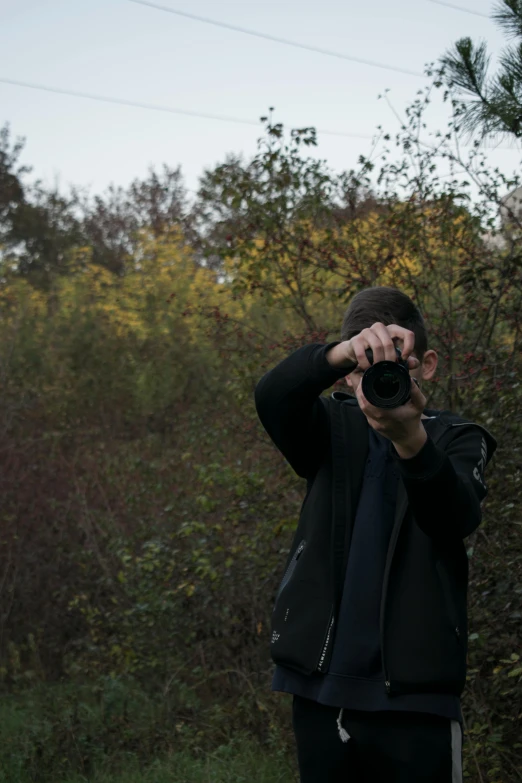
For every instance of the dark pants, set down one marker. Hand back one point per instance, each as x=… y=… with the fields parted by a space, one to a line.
x=384 y=747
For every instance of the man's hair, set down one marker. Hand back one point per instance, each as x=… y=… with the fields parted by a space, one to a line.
x=389 y=306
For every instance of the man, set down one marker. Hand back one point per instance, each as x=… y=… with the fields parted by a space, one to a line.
x=369 y=626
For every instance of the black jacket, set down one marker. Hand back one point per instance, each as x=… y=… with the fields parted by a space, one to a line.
x=423 y=617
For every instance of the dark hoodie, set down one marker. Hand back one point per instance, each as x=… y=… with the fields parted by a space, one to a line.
x=331 y=621
x=355 y=679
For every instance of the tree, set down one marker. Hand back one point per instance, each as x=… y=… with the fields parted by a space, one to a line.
x=490 y=103
x=11 y=188
x=112 y=223
x=38 y=228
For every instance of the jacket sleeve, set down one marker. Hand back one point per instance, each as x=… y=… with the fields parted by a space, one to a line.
x=289 y=406
x=446 y=487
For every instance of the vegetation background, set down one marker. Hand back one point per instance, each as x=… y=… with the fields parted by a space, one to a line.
x=145 y=515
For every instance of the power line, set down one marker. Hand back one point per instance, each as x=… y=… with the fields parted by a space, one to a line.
x=157 y=107
x=124 y=102
x=173 y=110
x=459 y=8
x=343 y=133
x=268 y=37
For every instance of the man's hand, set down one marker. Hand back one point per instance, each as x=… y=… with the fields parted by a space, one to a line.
x=380 y=339
x=401 y=425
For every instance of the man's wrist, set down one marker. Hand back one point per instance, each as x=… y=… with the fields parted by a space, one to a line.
x=338 y=358
x=410 y=447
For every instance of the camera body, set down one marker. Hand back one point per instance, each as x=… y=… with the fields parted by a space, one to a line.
x=387 y=384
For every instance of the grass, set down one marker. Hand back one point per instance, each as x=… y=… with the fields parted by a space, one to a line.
x=67 y=734
x=241 y=763
x=238 y=762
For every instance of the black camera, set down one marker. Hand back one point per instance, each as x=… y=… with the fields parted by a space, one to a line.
x=387 y=384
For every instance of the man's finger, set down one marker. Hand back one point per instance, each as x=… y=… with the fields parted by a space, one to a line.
x=386 y=340
x=363 y=402
x=417 y=397
x=367 y=408
x=407 y=337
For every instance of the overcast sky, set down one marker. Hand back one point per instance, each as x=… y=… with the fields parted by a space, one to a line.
x=120 y=49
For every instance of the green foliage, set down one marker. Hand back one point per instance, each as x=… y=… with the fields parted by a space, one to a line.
x=113 y=731
x=176 y=586
x=145 y=516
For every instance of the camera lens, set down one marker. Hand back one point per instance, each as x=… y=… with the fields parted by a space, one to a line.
x=386 y=384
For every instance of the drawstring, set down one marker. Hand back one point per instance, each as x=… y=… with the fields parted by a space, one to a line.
x=342 y=732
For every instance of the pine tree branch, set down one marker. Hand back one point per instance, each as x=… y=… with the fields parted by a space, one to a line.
x=511 y=64
x=494 y=105
x=508 y=15
x=506 y=93
x=467 y=66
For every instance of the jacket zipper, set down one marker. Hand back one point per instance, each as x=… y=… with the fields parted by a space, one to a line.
x=289 y=571
x=448 y=599
x=391 y=551
x=326 y=643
